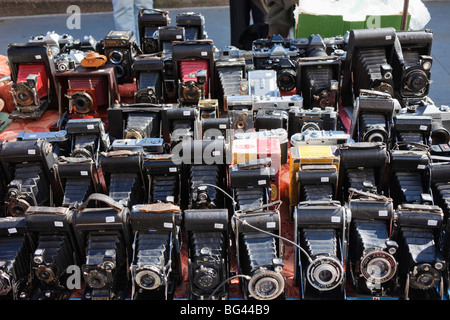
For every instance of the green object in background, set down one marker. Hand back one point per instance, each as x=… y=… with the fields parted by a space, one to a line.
x=329 y=25
x=4 y=121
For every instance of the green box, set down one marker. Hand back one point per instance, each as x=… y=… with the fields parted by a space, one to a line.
x=333 y=25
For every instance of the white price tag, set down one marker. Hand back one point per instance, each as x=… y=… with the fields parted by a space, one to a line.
x=110 y=219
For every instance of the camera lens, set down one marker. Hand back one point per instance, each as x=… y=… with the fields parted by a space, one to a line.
x=96 y=279
x=115 y=57
x=416 y=81
x=426 y=277
x=82 y=102
x=325 y=273
x=286 y=80
x=148 y=279
x=378 y=266
x=5 y=283
x=266 y=285
x=206 y=278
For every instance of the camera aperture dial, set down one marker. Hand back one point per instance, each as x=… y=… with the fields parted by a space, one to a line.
x=325 y=273
x=378 y=266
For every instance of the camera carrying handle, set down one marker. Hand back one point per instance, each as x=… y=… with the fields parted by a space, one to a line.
x=117 y=206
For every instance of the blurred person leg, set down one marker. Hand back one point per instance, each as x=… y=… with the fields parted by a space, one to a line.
x=123 y=15
x=139 y=5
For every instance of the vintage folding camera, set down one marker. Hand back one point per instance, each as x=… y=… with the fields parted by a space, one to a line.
x=164 y=178
x=208 y=253
x=368 y=63
x=29 y=166
x=301 y=120
x=103 y=234
x=372 y=254
x=120 y=49
x=16 y=248
x=363 y=166
x=124 y=176
x=149 y=70
x=260 y=255
x=275 y=54
x=193 y=24
x=32 y=72
x=86 y=92
x=193 y=64
x=156 y=260
x=408 y=176
x=149 y=20
x=372 y=117
x=137 y=121
x=231 y=68
x=417 y=229
x=317 y=182
x=318 y=76
x=408 y=131
x=411 y=65
x=179 y=124
x=242 y=119
x=56 y=250
x=320 y=230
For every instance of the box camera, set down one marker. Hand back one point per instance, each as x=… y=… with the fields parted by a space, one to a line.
x=408 y=177
x=149 y=20
x=16 y=246
x=124 y=176
x=412 y=64
x=318 y=76
x=149 y=71
x=193 y=64
x=260 y=255
x=372 y=254
x=408 y=131
x=208 y=257
x=86 y=92
x=363 y=166
x=29 y=166
x=372 y=117
x=416 y=229
x=156 y=260
x=137 y=121
x=56 y=249
x=121 y=49
x=320 y=230
x=193 y=24
x=368 y=63
x=103 y=233
x=301 y=120
x=32 y=72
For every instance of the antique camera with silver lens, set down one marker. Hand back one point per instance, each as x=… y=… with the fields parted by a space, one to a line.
x=149 y=70
x=411 y=64
x=372 y=254
x=16 y=247
x=79 y=170
x=103 y=233
x=417 y=229
x=156 y=260
x=320 y=230
x=56 y=250
x=259 y=253
x=29 y=166
x=372 y=117
x=301 y=120
x=318 y=76
x=208 y=260
x=149 y=20
x=368 y=63
x=120 y=49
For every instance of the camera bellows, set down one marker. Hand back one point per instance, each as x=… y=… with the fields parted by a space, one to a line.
x=76 y=190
